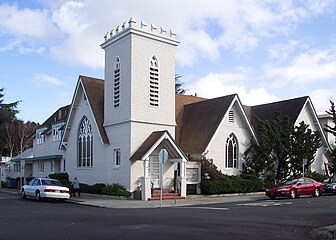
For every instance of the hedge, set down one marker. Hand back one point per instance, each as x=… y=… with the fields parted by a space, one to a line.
x=232 y=184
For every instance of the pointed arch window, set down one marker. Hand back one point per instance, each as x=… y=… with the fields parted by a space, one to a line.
x=116 y=83
x=154 y=82
x=85 y=144
x=231 y=147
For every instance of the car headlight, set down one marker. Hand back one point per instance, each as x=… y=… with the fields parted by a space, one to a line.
x=282 y=189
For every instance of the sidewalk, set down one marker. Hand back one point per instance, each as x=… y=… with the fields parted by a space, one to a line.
x=115 y=202
x=106 y=201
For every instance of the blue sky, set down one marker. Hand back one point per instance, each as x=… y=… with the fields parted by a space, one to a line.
x=263 y=50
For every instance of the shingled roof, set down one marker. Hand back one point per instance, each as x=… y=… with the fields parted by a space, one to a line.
x=94 y=89
x=200 y=121
x=290 y=108
x=180 y=101
x=58 y=116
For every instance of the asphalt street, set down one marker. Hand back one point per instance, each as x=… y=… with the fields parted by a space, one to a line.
x=252 y=219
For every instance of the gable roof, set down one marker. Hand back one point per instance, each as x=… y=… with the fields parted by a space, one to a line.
x=153 y=140
x=200 y=121
x=180 y=101
x=58 y=116
x=291 y=108
x=93 y=89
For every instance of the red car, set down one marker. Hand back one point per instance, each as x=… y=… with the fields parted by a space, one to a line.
x=293 y=188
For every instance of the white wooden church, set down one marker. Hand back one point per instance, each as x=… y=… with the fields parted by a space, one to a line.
x=114 y=128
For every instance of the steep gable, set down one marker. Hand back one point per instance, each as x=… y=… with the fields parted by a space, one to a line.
x=200 y=121
x=290 y=108
x=94 y=88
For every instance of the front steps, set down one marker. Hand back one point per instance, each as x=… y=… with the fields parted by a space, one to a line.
x=167 y=194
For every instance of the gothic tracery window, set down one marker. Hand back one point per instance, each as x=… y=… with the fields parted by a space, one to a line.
x=231 y=147
x=85 y=144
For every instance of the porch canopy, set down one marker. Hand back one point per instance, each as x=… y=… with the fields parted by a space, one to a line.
x=28 y=159
x=148 y=152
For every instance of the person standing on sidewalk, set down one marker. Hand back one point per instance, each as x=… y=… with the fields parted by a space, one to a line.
x=75 y=187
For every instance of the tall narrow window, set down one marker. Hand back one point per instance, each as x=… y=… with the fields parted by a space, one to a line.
x=85 y=144
x=116 y=83
x=40 y=166
x=40 y=136
x=116 y=156
x=57 y=132
x=154 y=82
x=231 y=160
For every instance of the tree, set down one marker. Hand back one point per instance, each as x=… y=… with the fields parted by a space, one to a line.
x=24 y=137
x=258 y=157
x=280 y=130
x=179 y=85
x=10 y=132
x=332 y=129
x=281 y=148
x=332 y=113
x=303 y=145
x=8 y=113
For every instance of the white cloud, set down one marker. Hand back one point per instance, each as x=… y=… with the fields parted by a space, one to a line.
x=321 y=98
x=26 y=22
x=45 y=78
x=241 y=25
x=311 y=66
x=16 y=45
x=221 y=84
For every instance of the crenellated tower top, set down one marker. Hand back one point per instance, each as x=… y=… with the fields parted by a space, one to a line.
x=142 y=27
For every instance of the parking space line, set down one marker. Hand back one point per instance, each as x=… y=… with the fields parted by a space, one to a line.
x=265 y=204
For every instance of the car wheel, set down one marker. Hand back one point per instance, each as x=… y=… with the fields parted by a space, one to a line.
x=292 y=193
x=38 y=196
x=23 y=194
x=316 y=192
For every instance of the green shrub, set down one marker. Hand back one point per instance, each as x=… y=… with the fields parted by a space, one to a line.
x=316 y=176
x=59 y=176
x=232 y=184
x=97 y=188
x=116 y=189
x=85 y=188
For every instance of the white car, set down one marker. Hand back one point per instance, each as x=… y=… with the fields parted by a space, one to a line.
x=41 y=188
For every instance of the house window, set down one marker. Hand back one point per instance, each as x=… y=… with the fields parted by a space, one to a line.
x=57 y=132
x=154 y=82
x=116 y=83
x=85 y=144
x=40 y=166
x=231 y=147
x=116 y=157
x=40 y=136
x=17 y=167
x=231 y=116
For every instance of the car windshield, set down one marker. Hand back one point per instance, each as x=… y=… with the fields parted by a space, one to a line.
x=289 y=182
x=51 y=182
